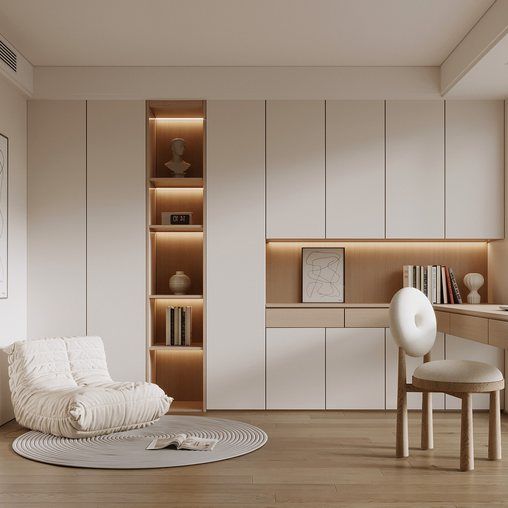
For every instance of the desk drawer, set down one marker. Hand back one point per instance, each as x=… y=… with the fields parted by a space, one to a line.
x=443 y=321
x=367 y=318
x=305 y=318
x=498 y=333
x=469 y=327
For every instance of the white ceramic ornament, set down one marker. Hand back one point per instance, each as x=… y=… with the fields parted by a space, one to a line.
x=473 y=282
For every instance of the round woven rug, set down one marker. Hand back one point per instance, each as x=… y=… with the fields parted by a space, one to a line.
x=126 y=450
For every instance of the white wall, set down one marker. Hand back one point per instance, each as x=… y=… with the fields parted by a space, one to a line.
x=13 y=310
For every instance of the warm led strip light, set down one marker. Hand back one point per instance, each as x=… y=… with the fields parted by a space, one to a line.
x=161 y=119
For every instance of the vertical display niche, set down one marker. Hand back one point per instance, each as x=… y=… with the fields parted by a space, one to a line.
x=175 y=236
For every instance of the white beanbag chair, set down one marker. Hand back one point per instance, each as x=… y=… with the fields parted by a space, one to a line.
x=62 y=386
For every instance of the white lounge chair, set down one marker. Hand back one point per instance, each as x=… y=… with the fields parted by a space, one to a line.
x=62 y=386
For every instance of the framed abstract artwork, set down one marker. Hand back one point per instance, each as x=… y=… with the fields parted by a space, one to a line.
x=4 y=168
x=323 y=274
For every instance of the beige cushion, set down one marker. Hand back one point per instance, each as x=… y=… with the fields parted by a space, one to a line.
x=458 y=371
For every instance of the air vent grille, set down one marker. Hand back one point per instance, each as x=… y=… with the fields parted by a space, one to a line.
x=8 y=56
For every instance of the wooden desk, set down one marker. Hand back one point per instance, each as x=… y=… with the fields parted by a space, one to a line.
x=481 y=323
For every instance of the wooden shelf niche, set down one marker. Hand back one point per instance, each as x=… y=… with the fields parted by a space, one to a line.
x=176 y=200
x=177 y=119
x=372 y=270
x=178 y=370
x=158 y=322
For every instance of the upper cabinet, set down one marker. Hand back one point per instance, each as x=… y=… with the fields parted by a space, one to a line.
x=415 y=169
x=355 y=169
x=474 y=169
x=295 y=169
x=385 y=169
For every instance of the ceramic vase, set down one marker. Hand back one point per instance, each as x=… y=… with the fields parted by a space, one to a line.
x=473 y=282
x=179 y=283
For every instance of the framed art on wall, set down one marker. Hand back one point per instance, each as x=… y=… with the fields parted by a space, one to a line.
x=323 y=274
x=4 y=166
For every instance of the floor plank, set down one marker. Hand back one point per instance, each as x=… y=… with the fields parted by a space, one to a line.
x=313 y=458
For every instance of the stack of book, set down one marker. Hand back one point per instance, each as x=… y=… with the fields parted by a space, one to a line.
x=178 y=326
x=437 y=282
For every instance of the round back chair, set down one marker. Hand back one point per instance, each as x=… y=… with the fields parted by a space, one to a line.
x=413 y=327
x=413 y=322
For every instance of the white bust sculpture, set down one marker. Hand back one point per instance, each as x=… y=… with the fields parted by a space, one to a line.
x=177 y=165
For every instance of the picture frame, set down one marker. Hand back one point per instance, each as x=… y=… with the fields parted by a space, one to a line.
x=323 y=274
x=4 y=215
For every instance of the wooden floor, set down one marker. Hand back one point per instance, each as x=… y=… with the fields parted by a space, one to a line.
x=312 y=459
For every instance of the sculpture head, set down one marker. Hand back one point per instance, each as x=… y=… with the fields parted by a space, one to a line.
x=178 y=146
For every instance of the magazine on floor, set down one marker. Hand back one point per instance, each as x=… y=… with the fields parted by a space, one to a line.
x=183 y=442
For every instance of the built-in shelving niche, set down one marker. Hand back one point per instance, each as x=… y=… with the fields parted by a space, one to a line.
x=372 y=269
x=177 y=369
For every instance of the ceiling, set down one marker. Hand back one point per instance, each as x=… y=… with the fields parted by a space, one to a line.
x=238 y=32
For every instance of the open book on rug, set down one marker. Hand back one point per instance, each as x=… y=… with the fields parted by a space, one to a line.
x=183 y=442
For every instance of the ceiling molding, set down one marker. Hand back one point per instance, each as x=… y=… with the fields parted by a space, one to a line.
x=488 y=31
x=236 y=83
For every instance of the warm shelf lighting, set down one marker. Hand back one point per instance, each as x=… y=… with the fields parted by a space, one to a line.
x=170 y=119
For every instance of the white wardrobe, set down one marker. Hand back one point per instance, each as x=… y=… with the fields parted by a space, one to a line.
x=86 y=216
x=235 y=254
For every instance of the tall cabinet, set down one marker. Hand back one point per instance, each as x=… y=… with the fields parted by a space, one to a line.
x=235 y=358
x=474 y=169
x=116 y=257
x=415 y=193
x=355 y=169
x=295 y=169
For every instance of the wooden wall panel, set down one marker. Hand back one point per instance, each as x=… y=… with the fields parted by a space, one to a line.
x=373 y=270
x=235 y=287
x=56 y=218
x=116 y=241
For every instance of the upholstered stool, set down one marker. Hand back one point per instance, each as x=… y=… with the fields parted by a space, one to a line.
x=413 y=326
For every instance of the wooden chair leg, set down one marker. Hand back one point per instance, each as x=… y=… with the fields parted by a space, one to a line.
x=466 y=434
x=427 y=425
x=494 y=427
x=402 y=441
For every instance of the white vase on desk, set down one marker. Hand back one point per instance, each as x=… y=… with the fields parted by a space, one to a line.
x=179 y=283
x=473 y=282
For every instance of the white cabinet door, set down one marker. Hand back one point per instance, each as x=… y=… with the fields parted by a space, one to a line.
x=458 y=348
x=414 y=400
x=355 y=368
x=116 y=233
x=295 y=368
x=56 y=218
x=474 y=169
x=355 y=169
x=415 y=169
x=295 y=169
x=235 y=281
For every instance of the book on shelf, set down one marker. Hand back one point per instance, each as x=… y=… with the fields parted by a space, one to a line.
x=437 y=282
x=455 y=287
x=178 y=325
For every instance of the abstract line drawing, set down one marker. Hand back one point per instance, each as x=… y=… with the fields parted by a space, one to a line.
x=322 y=274
x=4 y=158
